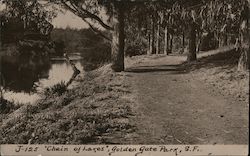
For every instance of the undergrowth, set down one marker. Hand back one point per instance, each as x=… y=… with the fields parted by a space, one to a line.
x=58 y=89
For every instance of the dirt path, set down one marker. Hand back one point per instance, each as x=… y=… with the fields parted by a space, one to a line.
x=175 y=108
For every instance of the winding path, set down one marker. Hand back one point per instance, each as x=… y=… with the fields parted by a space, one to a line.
x=175 y=108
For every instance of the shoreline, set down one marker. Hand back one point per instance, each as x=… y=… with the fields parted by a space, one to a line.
x=96 y=108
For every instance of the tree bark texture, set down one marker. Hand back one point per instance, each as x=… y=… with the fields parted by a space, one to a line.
x=192 y=43
x=153 y=36
x=1 y=37
x=171 y=44
x=199 y=35
x=118 y=39
x=183 y=41
x=149 y=43
x=158 y=38
x=166 y=40
x=243 y=63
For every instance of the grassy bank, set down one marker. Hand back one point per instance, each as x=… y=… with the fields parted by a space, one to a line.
x=99 y=105
x=220 y=71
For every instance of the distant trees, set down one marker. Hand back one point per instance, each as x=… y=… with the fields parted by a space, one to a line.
x=91 y=46
x=25 y=27
x=27 y=16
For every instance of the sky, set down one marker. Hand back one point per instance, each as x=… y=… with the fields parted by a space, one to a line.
x=63 y=20
x=68 y=19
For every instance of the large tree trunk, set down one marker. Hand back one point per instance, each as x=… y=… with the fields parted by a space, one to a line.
x=192 y=44
x=158 y=38
x=166 y=40
x=243 y=63
x=118 y=38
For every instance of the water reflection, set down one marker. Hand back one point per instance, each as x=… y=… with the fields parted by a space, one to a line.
x=26 y=76
x=20 y=72
x=59 y=71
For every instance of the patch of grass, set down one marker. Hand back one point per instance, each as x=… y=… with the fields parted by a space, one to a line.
x=220 y=70
x=58 y=89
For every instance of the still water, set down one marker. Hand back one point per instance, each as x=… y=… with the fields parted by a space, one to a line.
x=25 y=78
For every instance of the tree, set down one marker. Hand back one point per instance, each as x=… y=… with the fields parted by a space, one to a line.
x=243 y=63
x=26 y=21
x=192 y=43
x=166 y=39
x=118 y=37
x=152 y=38
x=159 y=23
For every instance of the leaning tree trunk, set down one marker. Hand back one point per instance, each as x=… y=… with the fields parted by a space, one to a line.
x=118 y=39
x=192 y=43
x=166 y=40
x=158 y=38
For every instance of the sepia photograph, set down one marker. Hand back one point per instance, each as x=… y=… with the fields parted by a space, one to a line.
x=124 y=72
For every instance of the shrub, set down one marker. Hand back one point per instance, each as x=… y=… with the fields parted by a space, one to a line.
x=58 y=89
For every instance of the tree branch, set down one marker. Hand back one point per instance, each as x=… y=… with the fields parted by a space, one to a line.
x=71 y=9
x=83 y=13
x=98 y=19
x=98 y=32
x=83 y=17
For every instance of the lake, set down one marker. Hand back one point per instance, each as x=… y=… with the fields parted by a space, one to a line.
x=26 y=77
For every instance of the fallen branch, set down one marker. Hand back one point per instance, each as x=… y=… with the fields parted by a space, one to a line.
x=76 y=71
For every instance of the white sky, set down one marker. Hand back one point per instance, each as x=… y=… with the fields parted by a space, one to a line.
x=63 y=20
x=68 y=19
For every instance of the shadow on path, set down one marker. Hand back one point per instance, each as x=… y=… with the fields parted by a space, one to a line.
x=174 y=69
x=225 y=60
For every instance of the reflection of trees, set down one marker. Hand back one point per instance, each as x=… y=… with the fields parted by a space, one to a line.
x=22 y=71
